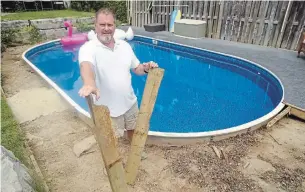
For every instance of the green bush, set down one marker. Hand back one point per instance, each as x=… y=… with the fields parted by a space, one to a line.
x=119 y=7
x=33 y=31
x=8 y=36
x=14 y=35
x=84 y=27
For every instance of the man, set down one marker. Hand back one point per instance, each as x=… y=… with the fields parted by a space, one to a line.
x=105 y=66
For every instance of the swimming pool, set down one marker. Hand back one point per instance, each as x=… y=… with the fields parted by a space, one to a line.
x=202 y=92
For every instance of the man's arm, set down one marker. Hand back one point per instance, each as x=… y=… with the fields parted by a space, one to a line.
x=87 y=73
x=88 y=77
x=137 y=68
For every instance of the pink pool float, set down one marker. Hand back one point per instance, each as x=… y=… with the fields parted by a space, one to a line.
x=74 y=39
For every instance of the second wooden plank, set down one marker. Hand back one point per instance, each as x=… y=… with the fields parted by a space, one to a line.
x=140 y=134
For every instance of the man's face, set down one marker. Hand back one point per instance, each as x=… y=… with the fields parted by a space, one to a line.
x=105 y=27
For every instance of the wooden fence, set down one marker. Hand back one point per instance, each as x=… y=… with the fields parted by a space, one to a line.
x=268 y=23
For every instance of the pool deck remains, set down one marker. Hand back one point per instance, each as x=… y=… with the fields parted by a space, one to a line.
x=283 y=63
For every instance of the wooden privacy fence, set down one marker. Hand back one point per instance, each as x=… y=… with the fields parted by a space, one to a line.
x=268 y=23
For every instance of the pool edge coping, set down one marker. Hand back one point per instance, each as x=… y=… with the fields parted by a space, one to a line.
x=226 y=131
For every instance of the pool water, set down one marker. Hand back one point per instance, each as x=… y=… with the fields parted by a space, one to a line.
x=197 y=94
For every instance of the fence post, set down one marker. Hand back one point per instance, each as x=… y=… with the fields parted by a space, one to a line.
x=104 y=135
x=279 y=40
x=140 y=134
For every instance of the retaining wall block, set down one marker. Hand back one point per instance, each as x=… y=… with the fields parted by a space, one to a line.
x=14 y=24
x=56 y=33
x=48 y=23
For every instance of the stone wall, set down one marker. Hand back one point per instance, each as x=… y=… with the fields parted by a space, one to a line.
x=48 y=28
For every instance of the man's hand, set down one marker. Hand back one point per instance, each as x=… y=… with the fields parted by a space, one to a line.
x=150 y=65
x=142 y=69
x=87 y=90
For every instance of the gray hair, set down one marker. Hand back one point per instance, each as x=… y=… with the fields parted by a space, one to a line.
x=105 y=11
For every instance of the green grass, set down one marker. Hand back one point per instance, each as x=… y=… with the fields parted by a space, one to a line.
x=45 y=14
x=12 y=138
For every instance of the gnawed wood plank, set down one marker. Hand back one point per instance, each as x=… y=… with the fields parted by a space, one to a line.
x=278 y=117
x=142 y=126
x=274 y=139
x=224 y=154
x=217 y=152
x=105 y=137
x=296 y=111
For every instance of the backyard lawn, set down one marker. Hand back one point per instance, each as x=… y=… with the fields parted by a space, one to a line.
x=11 y=136
x=45 y=14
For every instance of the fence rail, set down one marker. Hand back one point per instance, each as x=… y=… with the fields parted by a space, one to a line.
x=268 y=23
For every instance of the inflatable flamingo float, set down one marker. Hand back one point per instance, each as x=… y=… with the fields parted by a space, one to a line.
x=81 y=38
x=73 y=39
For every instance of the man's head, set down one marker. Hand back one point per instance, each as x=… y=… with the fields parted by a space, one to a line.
x=105 y=25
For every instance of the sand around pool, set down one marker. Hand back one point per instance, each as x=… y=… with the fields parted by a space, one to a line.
x=266 y=160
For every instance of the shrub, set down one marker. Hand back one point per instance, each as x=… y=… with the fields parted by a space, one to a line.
x=84 y=27
x=18 y=35
x=119 y=7
x=8 y=36
x=33 y=31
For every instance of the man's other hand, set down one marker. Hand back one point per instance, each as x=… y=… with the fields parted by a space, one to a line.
x=87 y=90
x=150 y=65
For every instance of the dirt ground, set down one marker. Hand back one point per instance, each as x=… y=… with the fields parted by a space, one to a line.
x=265 y=160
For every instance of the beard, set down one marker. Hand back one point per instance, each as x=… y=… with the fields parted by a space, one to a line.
x=106 y=38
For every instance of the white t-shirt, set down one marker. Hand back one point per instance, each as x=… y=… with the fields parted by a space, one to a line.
x=112 y=73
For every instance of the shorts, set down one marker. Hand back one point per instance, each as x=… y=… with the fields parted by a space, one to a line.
x=127 y=121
